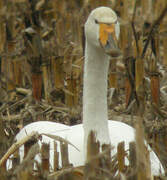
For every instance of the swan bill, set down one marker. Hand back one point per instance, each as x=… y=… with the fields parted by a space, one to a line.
x=108 y=40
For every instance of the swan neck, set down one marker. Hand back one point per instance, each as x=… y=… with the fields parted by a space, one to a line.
x=95 y=115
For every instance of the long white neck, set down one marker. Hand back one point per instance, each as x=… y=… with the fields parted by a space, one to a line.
x=95 y=116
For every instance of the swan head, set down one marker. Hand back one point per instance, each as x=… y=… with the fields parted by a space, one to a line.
x=102 y=30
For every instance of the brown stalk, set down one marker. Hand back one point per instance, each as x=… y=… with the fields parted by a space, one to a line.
x=68 y=173
x=64 y=155
x=139 y=73
x=113 y=75
x=45 y=77
x=15 y=159
x=45 y=157
x=58 y=72
x=155 y=84
x=69 y=97
x=3 y=33
x=165 y=49
x=133 y=27
x=143 y=163
x=56 y=157
x=155 y=25
x=145 y=6
x=132 y=155
x=62 y=140
x=121 y=156
x=27 y=165
x=15 y=146
x=132 y=161
x=27 y=146
x=77 y=68
x=18 y=72
x=37 y=86
x=128 y=91
x=93 y=148
x=11 y=78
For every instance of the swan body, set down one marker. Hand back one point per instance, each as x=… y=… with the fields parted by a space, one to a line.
x=118 y=132
x=94 y=98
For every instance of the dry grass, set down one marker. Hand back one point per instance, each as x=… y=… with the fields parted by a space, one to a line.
x=41 y=66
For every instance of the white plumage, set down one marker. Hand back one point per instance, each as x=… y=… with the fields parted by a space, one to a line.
x=94 y=101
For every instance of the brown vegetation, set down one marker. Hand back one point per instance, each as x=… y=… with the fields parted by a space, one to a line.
x=41 y=67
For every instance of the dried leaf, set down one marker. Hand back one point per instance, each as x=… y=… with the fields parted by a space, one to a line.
x=73 y=172
x=39 y=5
x=16 y=145
x=58 y=138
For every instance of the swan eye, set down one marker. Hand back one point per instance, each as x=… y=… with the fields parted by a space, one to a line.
x=96 y=21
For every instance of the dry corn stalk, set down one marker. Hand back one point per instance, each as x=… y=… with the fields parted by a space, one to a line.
x=18 y=72
x=128 y=91
x=162 y=29
x=58 y=8
x=62 y=140
x=15 y=146
x=69 y=96
x=46 y=79
x=15 y=159
x=155 y=93
x=99 y=161
x=132 y=155
x=165 y=49
x=155 y=84
x=27 y=146
x=139 y=73
x=64 y=155
x=69 y=173
x=3 y=33
x=45 y=157
x=58 y=74
x=10 y=78
x=37 y=86
x=157 y=7
x=121 y=156
x=121 y=7
x=27 y=164
x=93 y=148
x=140 y=89
x=69 y=58
x=113 y=75
x=130 y=79
x=97 y=3
x=143 y=159
x=156 y=44
x=56 y=157
x=146 y=7
x=76 y=73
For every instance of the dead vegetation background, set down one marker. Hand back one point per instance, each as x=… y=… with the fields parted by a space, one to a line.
x=41 y=70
